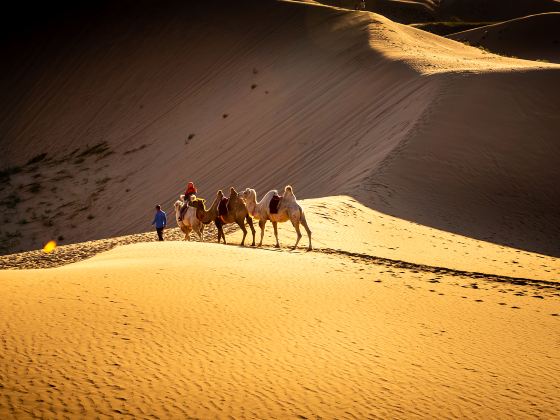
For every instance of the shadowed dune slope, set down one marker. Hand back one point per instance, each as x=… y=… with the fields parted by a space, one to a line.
x=130 y=103
x=486 y=10
x=535 y=37
x=413 y=11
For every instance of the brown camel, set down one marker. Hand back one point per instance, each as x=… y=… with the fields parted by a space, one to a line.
x=236 y=212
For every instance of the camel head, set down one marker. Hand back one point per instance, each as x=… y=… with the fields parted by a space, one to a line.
x=249 y=194
x=182 y=197
x=198 y=203
x=178 y=204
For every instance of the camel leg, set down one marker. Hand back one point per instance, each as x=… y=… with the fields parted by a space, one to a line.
x=295 y=222
x=241 y=224
x=275 y=226
x=262 y=223
x=250 y=222
x=187 y=232
x=201 y=232
x=220 y=227
x=304 y=223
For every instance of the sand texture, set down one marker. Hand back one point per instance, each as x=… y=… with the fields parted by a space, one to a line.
x=263 y=94
x=534 y=37
x=181 y=329
x=380 y=320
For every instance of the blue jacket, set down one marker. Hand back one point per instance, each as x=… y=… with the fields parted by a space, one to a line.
x=160 y=219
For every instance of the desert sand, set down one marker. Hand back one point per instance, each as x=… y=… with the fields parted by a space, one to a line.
x=533 y=37
x=380 y=320
x=427 y=169
x=332 y=101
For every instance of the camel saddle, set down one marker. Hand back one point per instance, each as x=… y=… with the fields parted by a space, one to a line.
x=275 y=203
x=183 y=210
x=222 y=207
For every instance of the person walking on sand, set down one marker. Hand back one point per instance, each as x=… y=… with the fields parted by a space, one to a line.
x=160 y=220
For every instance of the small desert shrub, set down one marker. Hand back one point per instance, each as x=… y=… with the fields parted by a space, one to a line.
x=34 y=188
x=103 y=181
x=5 y=174
x=47 y=222
x=98 y=149
x=37 y=159
x=104 y=155
x=11 y=201
x=135 y=150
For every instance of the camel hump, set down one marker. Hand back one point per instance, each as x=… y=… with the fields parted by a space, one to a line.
x=288 y=189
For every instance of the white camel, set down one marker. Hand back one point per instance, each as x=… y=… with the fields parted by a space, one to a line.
x=189 y=222
x=288 y=209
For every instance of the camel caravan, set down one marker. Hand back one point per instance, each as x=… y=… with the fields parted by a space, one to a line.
x=191 y=213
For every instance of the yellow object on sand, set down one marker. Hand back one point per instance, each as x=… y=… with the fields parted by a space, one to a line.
x=49 y=247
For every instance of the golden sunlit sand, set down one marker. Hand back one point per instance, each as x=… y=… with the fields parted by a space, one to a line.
x=427 y=169
x=188 y=329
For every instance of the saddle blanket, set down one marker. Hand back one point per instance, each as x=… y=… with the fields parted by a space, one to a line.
x=275 y=203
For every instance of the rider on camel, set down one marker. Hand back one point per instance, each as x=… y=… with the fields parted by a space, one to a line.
x=190 y=191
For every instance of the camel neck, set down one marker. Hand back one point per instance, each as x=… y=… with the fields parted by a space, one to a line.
x=251 y=207
x=210 y=214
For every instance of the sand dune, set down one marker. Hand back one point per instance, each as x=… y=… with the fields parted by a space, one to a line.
x=161 y=330
x=534 y=37
x=405 y=149
x=341 y=225
x=410 y=11
x=402 y=11
x=267 y=94
x=497 y=10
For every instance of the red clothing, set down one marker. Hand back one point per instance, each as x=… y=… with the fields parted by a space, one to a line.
x=191 y=189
